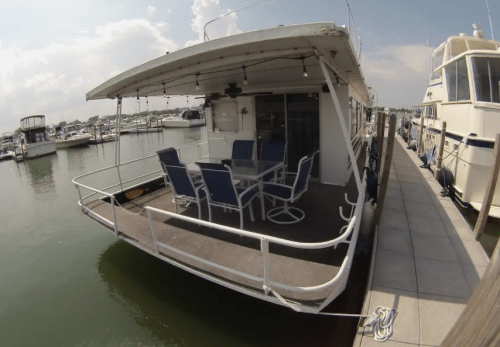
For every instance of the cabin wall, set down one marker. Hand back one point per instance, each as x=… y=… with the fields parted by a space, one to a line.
x=220 y=144
x=333 y=150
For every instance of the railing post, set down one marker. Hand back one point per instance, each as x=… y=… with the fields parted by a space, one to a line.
x=490 y=190
x=264 y=247
x=420 y=136
x=114 y=215
x=151 y=225
x=119 y=177
x=439 y=159
x=387 y=168
x=80 y=195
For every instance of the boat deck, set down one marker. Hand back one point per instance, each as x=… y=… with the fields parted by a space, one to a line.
x=288 y=265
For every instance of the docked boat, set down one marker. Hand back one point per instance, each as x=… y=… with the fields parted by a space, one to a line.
x=186 y=119
x=37 y=142
x=464 y=92
x=103 y=136
x=68 y=137
x=299 y=88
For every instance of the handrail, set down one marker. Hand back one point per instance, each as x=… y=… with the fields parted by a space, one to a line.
x=294 y=244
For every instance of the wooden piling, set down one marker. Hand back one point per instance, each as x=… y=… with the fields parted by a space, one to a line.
x=478 y=325
x=439 y=158
x=420 y=136
x=387 y=168
x=490 y=190
x=402 y=127
x=409 y=132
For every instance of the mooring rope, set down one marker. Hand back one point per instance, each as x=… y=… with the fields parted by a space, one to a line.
x=380 y=322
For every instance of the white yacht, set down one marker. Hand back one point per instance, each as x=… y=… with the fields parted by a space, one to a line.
x=71 y=136
x=464 y=91
x=37 y=142
x=186 y=119
x=301 y=84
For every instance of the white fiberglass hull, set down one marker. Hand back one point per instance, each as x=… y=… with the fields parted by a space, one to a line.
x=75 y=142
x=35 y=150
x=7 y=155
x=181 y=123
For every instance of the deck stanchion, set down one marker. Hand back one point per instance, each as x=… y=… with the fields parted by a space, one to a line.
x=153 y=233
x=478 y=325
x=114 y=215
x=439 y=159
x=490 y=190
x=420 y=136
x=387 y=168
x=264 y=247
x=80 y=195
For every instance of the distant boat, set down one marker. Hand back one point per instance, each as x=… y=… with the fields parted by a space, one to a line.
x=70 y=137
x=37 y=139
x=186 y=119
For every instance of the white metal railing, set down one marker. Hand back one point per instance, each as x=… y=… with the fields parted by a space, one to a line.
x=351 y=229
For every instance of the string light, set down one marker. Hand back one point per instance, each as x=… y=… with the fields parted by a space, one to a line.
x=245 y=80
x=304 y=66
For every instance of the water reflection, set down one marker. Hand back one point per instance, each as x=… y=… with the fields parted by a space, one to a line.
x=180 y=309
x=39 y=170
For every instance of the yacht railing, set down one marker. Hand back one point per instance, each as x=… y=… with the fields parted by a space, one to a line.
x=337 y=283
x=340 y=279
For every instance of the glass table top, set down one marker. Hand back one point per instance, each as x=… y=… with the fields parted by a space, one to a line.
x=251 y=169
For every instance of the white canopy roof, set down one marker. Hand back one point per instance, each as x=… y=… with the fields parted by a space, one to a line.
x=272 y=60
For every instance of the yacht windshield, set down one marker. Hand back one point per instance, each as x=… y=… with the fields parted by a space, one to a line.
x=487 y=78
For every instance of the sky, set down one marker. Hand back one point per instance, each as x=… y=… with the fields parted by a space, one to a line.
x=53 y=52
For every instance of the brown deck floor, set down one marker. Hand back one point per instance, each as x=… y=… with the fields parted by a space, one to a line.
x=287 y=265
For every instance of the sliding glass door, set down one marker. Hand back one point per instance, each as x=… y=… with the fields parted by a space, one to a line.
x=290 y=117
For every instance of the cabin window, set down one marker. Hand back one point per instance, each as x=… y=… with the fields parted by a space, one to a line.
x=437 y=61
x=225 y=116
x=457 y=80
x=487 y=78
x=430 y=112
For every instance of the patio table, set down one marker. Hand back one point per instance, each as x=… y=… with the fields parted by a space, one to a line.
x=252 y=170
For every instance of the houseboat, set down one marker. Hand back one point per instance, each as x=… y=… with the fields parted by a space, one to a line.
x=299 y=85
x=37 y=142
x=464 y=92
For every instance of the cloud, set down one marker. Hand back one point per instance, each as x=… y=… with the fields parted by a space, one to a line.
x=54 y=80
x=207 y=10
x=152 y=10
x=396 y=72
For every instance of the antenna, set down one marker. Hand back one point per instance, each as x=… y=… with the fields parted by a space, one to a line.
x=429 y=65
x=491 y=26
x=205 y=36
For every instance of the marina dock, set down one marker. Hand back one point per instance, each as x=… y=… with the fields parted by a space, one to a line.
x=427 y=262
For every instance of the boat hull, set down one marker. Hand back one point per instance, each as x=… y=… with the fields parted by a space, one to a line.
x=73 y=143
x=183 y=123
x=35 y=150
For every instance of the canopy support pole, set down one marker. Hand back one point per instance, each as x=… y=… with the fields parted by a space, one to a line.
x=117 y=129
x=343 y=125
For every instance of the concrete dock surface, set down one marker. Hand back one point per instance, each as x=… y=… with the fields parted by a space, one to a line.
x=427 y=262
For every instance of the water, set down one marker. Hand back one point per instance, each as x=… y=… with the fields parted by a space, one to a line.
x=67 y=281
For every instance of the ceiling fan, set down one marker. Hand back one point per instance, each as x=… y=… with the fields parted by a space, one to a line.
x=233 y=92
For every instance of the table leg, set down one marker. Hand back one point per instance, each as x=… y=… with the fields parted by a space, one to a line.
x=261 y=190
